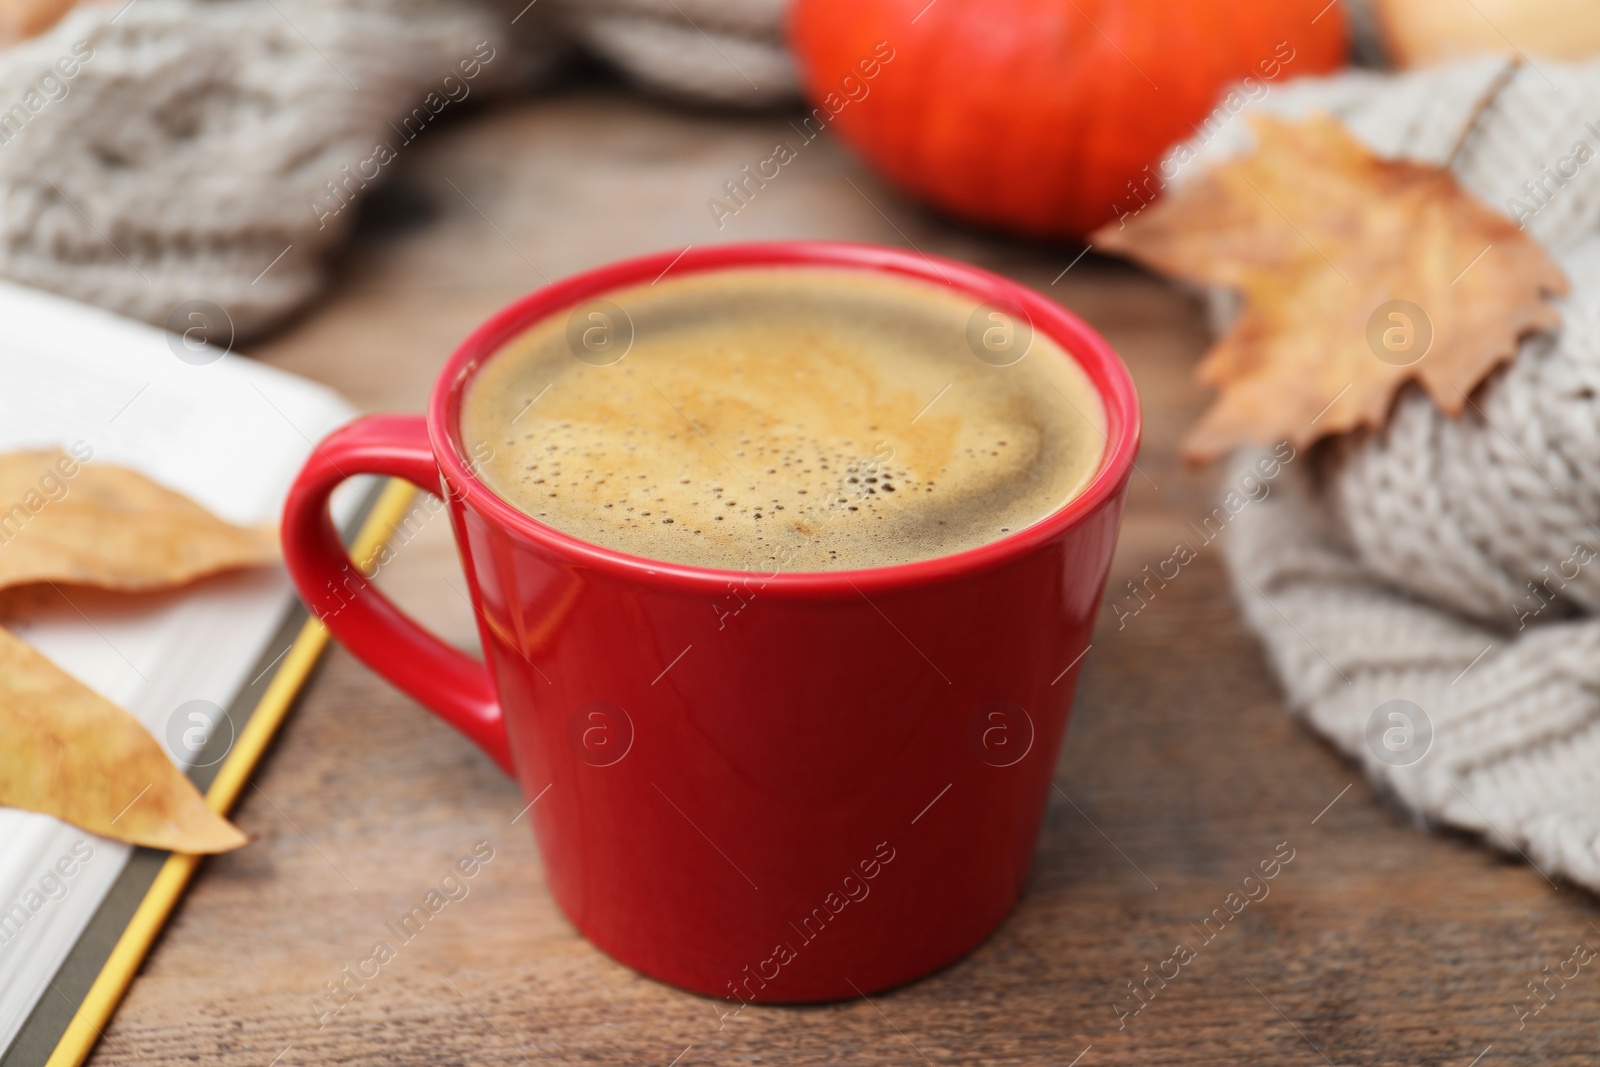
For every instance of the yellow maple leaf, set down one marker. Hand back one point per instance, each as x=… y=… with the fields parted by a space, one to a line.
x=1358 y=275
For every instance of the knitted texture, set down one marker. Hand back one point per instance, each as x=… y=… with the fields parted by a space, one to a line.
x=189 y=155
x=190 y=163
x=1455 y=562
x=729 y=52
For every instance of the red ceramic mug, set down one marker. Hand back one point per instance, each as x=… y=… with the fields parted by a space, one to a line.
x=795 y=787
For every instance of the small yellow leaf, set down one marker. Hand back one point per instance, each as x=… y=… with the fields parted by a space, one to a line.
x=62 y=520
x=71 y=753
x=1358 y=274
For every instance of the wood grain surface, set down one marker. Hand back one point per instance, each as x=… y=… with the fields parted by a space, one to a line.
x=1379 y=943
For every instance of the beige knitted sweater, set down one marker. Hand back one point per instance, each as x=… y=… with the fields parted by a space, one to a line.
x=164 y=154
x=1430 y=595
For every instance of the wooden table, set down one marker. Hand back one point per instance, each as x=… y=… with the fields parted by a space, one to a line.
x=1380 y=943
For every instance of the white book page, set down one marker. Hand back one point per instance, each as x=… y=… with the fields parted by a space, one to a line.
x=230 y=434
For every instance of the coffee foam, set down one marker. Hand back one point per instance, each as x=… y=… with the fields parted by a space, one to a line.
x=794 y=419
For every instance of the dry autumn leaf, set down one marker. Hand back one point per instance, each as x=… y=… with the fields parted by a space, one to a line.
x=110 y=527
x=1358 y=275
x=67 y=751
x=75 y=755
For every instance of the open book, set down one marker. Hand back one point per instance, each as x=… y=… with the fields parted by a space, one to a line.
x=229 y=434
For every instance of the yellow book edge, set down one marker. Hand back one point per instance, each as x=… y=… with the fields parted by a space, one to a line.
x=89 y=1021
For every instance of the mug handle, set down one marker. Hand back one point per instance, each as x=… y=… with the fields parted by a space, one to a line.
x=443 y=679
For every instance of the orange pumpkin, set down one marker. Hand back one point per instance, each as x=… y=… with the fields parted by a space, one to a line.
x=1045 y=117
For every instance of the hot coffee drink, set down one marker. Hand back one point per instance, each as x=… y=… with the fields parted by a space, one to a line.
x=778 y=418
